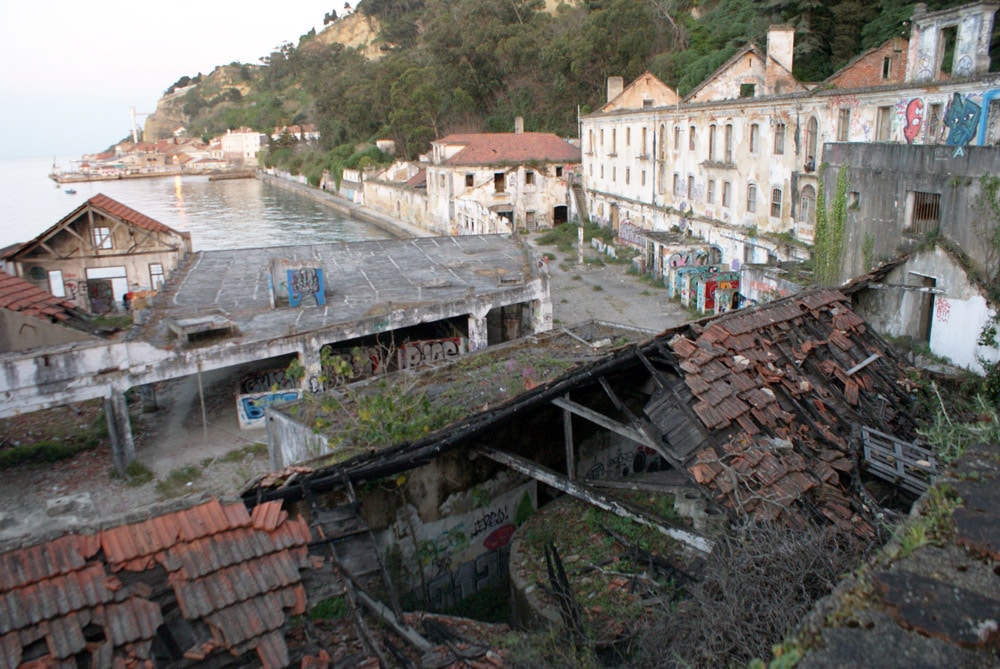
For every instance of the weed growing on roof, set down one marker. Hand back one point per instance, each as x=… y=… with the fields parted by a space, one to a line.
x=137 y=474
x=333 y=608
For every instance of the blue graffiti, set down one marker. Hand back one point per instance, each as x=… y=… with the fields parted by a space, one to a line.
x=305 y=281
x=962 y=118
x=253 y=407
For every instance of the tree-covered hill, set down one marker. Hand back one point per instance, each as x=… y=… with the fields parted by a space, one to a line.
x=475 y=65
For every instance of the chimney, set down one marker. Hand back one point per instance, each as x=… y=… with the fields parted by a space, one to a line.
x=518 y=125
x=615 y=87
x=780 y=44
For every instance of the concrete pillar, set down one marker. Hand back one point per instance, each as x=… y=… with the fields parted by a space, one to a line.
x=309 y=356
x=541 y=315
x=147 y=392
x=478 y=333
x=119 y=430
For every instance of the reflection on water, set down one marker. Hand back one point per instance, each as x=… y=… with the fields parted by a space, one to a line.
x=234 y=213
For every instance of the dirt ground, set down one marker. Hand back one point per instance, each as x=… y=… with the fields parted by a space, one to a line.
x=191 y=453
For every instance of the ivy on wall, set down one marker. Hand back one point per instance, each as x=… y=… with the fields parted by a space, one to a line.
x=828 y=246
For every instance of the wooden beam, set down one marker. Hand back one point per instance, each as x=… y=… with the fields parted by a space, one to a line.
x=568 y=440
x=637 y=436
x=550 y=478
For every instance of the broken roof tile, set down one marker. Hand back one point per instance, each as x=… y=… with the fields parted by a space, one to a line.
x=710 y=415
x=696 y=384
x=682 y=346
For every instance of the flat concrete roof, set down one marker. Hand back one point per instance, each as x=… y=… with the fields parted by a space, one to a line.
x=362 y=280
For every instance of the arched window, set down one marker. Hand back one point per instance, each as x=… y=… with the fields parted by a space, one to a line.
x=807 y=205
x=812 y=132
x=751 y=199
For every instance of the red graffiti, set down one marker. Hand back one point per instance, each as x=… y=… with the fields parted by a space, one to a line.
x=499 y=538
x=914 y=119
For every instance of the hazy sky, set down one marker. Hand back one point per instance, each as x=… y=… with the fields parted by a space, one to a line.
x=71 y=70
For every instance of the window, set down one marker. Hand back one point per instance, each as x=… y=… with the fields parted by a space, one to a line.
x=748 y=90
x=729 y=143
x=779 y=139
x=529 y=218
x=727 y=189
x=102 y=238
x=677 y=184
x=843 y=125
x=642 y=181
x=754 y=138
x=628 y=175
x=56 y=285
x=883 y=124
x=924 y=212
x=614 y=141
x=155 y=275
x=642 y=148
x=812 y=132
x=529 y=178
x=710 y=193
x=663 y=140
x=933 y=123
x=807 y=204
x=647 y=104
x=614 y=173
x=711 y=143
x=441 y=180
x=628 y=136
x=677 y=138
x=887 y=67
x=748 y=254
x=602 y=171
x=751 y=199
x=499 y=182
x=468 y=180
x=559 y=171
x=691 y=138
x=602 y=138
x=776 y=202
x=690 y=192
x=590 y=144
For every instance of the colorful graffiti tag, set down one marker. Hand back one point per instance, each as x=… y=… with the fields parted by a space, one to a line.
x=912 y=113
x=250 y=408
x=305 y=281
x=962 y=119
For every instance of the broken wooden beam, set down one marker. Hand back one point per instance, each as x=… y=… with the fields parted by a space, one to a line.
x=551 y=478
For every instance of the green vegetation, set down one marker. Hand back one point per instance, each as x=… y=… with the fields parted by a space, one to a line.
x=831 y=225
x=333 y=608
x=59 y=444
x=178 y=481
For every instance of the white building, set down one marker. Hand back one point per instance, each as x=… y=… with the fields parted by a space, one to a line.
x=242 y=145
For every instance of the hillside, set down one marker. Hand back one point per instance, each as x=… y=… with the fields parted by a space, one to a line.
x=414 y=70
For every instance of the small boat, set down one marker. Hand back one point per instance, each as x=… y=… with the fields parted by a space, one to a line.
x=70 y=191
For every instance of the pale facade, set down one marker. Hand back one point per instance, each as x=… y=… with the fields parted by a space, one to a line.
x=242 y=145
x=742 y=172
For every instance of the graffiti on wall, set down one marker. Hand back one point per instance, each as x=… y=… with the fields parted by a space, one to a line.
x=962 y=119
x=488 y=570
x=621 y=462
x=250 y=408
x=266 y=380
x=911 y=115
x=942 y=309
x=430 y=351
x=305 y=282
x=630 y=234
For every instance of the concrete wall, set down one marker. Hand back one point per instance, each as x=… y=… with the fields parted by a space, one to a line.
x=19 y=332
x=401 y=202
x=885 y=175
x=956 y=315
x=290 y=442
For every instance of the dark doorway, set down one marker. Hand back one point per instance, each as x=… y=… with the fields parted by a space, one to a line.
x=559 y=214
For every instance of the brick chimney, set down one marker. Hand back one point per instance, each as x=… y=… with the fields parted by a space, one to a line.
x=615 y=87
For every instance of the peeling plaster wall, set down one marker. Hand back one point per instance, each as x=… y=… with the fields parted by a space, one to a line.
x=958 y=314
x=289 y=442
x=401 y=202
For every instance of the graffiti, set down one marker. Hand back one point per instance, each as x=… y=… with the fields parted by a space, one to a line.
x=305 y=281
x=250 y=408
x=622 y=463
x=942 y=309
x=429 y=352
x=630 y=234
x=962 y=119
x=266 y=381
x=912 y=113
x=364 y=361
x=488 y=520
x=923 y=68
x=699 y=192
x=845 y=101
x=488 y=570
x=102 y=296
x=964 y=67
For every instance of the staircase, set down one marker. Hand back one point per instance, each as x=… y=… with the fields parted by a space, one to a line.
x=580 y=198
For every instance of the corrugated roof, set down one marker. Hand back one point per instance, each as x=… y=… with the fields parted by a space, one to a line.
x=237 y=574
x=510 y=147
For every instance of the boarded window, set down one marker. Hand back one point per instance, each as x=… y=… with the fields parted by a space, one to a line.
x=883 y=124
x=843 y=125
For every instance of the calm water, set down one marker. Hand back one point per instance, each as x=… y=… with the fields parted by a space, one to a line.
x=239 y=213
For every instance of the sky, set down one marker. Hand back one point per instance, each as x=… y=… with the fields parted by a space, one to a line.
x=72 y=70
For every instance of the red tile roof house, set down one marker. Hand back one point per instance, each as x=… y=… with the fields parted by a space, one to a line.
x=97 y=253
x=483 y=183
x=187 y=588
x=31 y=317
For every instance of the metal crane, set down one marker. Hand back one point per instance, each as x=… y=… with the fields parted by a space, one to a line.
x=135 y=130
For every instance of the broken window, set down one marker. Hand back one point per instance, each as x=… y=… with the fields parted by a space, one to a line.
x=776 y=202
x=807 y=204
x=843 y=125
x=628 y=175
x=691 y=138
x=677 y=137
x=729 y=143
x=155 y=275
x=887 y=67
x=754 y=138
x=924 y=211
x=946 y=51
x=559 y=170
x=812 y=134
x=748 y=90
x=102 y=238
x=711 y=143
x=933 y=124
x=500 y=182
x=529 y=178
x=468 y=180
x=710 y=193
x=727 y=192
x=690 y=186
x=779 y=139
x=883 y=124
x=677 y=184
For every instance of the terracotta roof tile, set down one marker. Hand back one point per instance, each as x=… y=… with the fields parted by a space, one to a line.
x=17 y=294
x=506 y=148
x=682 y=346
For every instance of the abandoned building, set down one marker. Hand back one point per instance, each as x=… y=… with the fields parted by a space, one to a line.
x=771 y=413
x=99 y=252
x=481 y=183
x=737 y=163
x=254 y=311
x=33 y=318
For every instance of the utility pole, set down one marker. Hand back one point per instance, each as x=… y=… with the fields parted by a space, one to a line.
x=135 y=130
